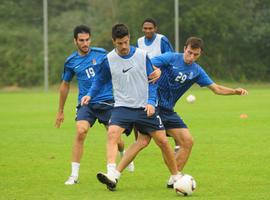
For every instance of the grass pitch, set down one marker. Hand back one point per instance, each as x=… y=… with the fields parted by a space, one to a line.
x=230 y=158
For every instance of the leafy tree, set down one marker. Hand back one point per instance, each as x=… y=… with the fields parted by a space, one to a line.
x=236 y=34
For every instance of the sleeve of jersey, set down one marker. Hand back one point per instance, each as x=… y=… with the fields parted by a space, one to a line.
x=152 y=93
x=67 y=74
x=166 y=45
x=102 y=77
x=137 y=44
x=204 y=79
x=161 y=61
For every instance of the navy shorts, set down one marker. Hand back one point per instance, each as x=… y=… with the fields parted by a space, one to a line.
x=92 y=112
x=127 y=117
x=170 y=119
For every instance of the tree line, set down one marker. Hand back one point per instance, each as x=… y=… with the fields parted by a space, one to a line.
x=236 y=34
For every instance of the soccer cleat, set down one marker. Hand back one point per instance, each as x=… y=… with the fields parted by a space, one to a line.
x=176 y=148
x=107 y=180
x=71 y=180
x=131 y=167
x=171 y=181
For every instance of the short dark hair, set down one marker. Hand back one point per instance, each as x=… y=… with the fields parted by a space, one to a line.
x=150 y=20
x=81 y=29
x=119 y=31
x=194 y=43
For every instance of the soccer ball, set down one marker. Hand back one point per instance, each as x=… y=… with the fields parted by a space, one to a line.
x=191 y=98
x=185 y=185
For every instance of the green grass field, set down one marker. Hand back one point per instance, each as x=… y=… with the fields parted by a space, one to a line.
x=230 y=158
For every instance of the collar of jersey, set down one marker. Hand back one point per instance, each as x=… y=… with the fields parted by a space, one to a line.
x=150 y=41
x=130 y=54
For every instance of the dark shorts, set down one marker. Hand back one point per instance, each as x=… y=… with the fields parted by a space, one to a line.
x=127 y=117
x=92 y=112
x=170 y=119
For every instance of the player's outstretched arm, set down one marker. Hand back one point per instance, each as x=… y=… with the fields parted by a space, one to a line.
x=241 y=91
x=63 y=93
x=222 y=90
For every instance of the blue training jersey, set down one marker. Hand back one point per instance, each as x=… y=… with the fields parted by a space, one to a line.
x=105 y=76
x=85 y=68
x=177 y=77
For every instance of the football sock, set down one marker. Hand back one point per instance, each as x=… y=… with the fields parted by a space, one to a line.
x=111 y=168
x=75 y=169
x=176 y=177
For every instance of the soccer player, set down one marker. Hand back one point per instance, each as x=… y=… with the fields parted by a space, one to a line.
x=84 y=65
x=128 y=69
x=179 y=73
x=153 y=43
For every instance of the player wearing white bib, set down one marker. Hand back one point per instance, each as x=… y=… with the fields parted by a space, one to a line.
x=153 y=43
x=128 y=68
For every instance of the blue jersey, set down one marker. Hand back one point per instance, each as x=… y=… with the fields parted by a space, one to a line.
x=177 y=77
x=106 y=74
x=85 y=69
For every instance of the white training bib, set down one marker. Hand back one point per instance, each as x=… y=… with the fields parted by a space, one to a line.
x=129 y=79
x=152 y=50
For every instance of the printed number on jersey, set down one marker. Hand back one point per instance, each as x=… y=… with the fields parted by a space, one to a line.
x=181 y=77
x=90 y=72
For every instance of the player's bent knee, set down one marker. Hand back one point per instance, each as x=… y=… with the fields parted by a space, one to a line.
x=188 y=142
x=114 y=135
x=142 y=143
x=162 y=142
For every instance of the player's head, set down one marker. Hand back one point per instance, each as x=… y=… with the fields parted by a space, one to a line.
x=149 y=27
x=193 y=49
x=121 y=38
x=82 y=40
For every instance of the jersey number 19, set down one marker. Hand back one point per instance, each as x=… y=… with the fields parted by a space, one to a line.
x=90 y=72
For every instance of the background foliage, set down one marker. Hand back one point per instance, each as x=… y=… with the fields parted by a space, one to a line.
x=236 y=34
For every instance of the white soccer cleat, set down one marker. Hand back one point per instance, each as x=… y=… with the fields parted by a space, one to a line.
x=171 y=180
x=71 y=180
x=108 y=180
x=131 y=167
x=176 y=148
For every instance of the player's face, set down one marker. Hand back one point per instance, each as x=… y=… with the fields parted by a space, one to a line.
x=149 y=30
x=122 y=45
x=191 y=55
x=83 y=43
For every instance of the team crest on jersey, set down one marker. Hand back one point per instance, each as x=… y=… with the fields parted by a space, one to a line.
x=190 y=75
x=94 y=61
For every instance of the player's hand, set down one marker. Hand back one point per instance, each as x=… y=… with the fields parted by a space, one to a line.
x=154 y=76
x=85 y=100
x=59 y=119
x=241 y=91
x=150 y=110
